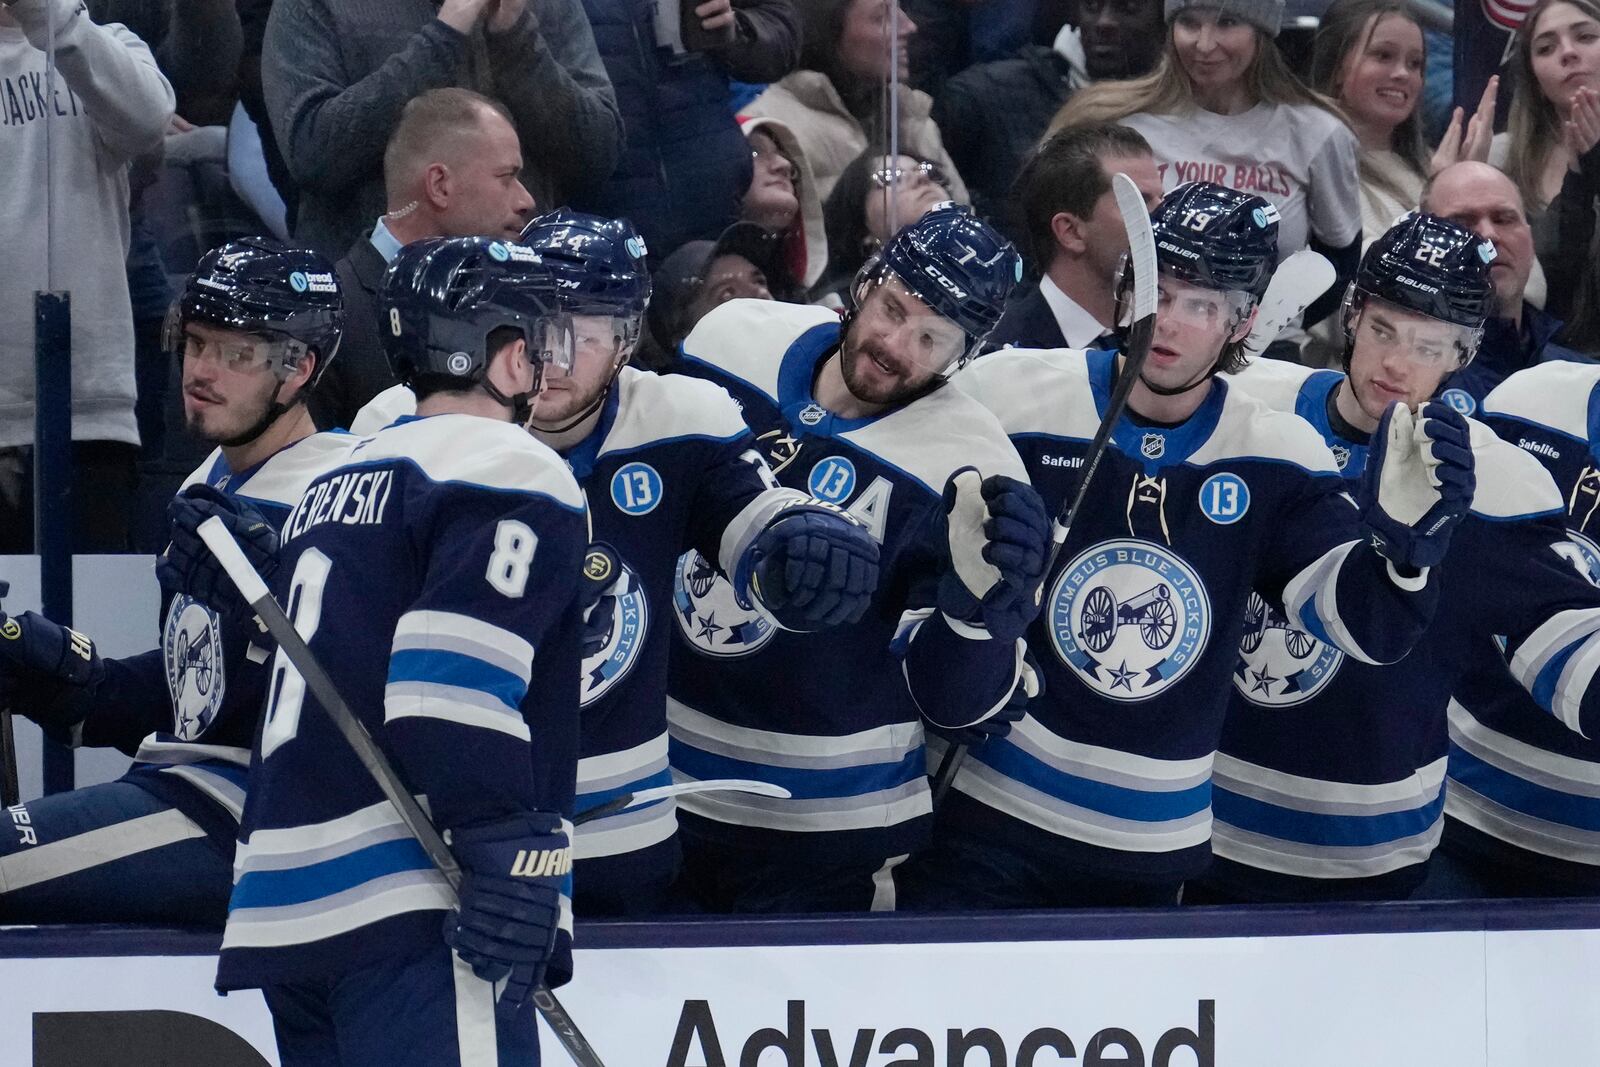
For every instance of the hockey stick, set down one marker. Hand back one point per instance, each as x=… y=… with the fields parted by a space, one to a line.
x=254 y=590
x=1142 y=257
x=679 y=789
x=10 y=790
x=1297 y=284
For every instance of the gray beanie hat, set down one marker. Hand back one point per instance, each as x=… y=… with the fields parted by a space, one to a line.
x=1265 y=15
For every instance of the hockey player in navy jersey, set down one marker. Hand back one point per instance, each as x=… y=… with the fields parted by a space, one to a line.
x=434 y=576
x=254 y=328
x=857 y=413
x=1101 y=794
x=1520 y=805
x=1329 y=782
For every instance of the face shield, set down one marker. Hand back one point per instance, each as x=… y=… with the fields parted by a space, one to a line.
x=894 y=318
x=240 y=353
x=604 y=337
x=1428 y=344
x=551 y=344
x=1211 y=311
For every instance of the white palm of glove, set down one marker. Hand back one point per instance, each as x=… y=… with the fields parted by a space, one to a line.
x=966 y=519
x=1408 y=484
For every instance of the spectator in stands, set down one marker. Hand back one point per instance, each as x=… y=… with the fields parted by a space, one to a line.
x=1519 y=335
x=993 y=114
x=1222 y=105
x=1075 y=236
x=782 y=199
x=1554 y=124
x=337 y=73
x=253 y=16
x=197 y=44
x=68 y=229
x=684 y=164
x=702 y=275
x=871 y=202
x=835 y=102
x=450 y=170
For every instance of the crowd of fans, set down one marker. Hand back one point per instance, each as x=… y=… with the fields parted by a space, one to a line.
x=762 y=147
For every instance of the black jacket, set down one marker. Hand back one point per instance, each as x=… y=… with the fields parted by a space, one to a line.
x=360 y=370
x=1027 y=323
x=991 y=116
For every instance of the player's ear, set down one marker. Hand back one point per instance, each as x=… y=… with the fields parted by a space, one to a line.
x=1246 y=324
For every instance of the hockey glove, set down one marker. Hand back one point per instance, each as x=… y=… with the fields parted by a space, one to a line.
x=48 y=673
x=813 y=569
x=188 y=566
x=1029 y=685
x=512 y=873
x=1417 y=485
x=604 y=581
x=999 y=539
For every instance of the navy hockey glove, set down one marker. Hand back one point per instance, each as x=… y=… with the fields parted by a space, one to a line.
x=1418 y=484
x=604 y=581
x=512 y=874
x=813 y=569
x=999 y=539
x=48 y=673
x=1028 y=686
x=188 y=566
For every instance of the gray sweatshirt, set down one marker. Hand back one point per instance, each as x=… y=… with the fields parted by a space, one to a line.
x=110 y=104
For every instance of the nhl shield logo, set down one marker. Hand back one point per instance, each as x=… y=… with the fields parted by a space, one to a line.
x=191 y=650
x=1280 y=666
x=812 y=414
x=1341 y=456
x=1153 y=446
x=1130 y=618
x=710 y=617
x=626 y=617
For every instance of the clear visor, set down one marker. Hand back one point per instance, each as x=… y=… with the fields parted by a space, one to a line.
x=1428 y=343
x=1219 y=311
x=238 y=352
x=896 y=319
x=604 y=337
x=552 y=343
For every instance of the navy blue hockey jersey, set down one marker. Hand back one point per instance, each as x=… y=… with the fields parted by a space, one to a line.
x=434 y=575
x=187 y=711
x=1333 y=769
x=1111 y=769
x=1525 y=771
x=828 y=715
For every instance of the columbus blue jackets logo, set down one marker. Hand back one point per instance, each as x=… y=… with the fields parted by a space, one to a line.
x=1130 y=618
x=710 y=616
x=191 y=648
x=625 y=617
x=1280 y=666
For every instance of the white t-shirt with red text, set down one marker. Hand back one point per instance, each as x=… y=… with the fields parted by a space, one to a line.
x=1299 y=157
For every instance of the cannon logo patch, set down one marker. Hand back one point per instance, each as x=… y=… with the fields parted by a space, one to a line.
x=1280 y=666
x=1130 y=618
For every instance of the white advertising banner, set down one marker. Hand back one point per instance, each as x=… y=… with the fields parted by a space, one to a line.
x=1449 y=999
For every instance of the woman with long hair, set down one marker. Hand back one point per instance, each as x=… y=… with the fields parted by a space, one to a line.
x=1222 y=105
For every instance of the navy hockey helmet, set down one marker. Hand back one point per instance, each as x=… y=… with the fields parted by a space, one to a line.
x=1217 y=238
x=443 y=297
x=599 y=263
x=956 y=263
x=1433 y=266
x=260 y=286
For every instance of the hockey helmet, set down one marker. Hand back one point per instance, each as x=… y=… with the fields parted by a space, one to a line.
x=1433 y=266
x=598 y=263
x=956 y=263
x=443 y=297
x=258 y=285
x=1217 y=238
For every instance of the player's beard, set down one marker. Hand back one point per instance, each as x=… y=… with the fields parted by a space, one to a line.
x=225 y=421
x=899 y=391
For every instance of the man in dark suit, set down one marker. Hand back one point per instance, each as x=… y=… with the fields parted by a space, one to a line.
x=450 y=170
x=1075 y=236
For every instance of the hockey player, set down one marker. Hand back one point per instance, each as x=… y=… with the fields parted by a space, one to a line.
x=255 y=327
x=668 y=466
x=857 y=413
x=1101 y=794
x=434 y=575
x=1520 y=801
x=1329 y=782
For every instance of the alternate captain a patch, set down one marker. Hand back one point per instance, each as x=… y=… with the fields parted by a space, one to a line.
x=1130 y=618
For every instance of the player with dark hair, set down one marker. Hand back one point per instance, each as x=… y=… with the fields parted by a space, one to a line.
x=857 y=413
x=668 y=466
x=254 y=329
x=1329 y=781
x=435 y=577
x=1100 y=795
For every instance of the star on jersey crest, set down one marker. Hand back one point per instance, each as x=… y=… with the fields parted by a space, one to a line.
x=1123 y=676
x=1261 y=682
x=709 y=628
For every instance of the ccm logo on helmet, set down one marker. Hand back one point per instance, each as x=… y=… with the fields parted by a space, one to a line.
x=945 y=283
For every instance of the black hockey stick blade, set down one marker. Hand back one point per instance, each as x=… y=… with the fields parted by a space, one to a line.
x=10 y=788
x=255 y=591
x=1141 y=333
